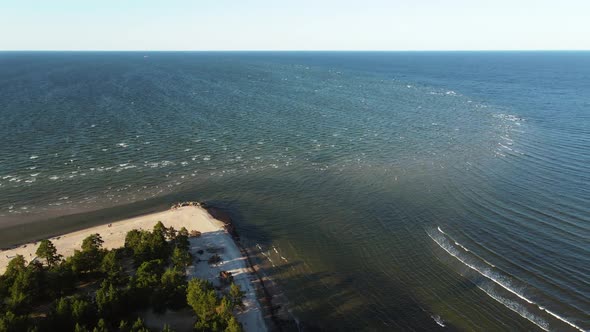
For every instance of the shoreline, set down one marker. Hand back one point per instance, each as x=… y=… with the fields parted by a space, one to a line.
x=220 y=234
x=274 y=306
x=14 y=234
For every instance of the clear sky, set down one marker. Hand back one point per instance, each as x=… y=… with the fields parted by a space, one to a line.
x=294 y=25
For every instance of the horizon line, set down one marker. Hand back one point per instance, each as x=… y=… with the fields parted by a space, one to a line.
x=295 y=50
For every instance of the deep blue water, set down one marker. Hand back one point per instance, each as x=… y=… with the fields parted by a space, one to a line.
x=381 y=190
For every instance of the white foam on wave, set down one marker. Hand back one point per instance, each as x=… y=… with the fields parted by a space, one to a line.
x=122 y=144
x=505 y=147
x=486 y=272
x=508 y=139
x=543 y=324
x=438 y=320
x=509 y=304
x=33 y=157
x=460 y=245
x=563 y=319
x=509 y=117
x=162 y=163
x=487 y=275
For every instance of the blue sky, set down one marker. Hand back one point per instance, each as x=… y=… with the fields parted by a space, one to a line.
x=294 y=25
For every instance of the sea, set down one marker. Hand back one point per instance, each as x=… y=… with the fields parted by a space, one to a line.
x=379 y=190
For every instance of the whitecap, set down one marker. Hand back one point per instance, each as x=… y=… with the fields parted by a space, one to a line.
x=438 y=320
x=486 y=272
x=498 y=280
x=563 y=320
x=123 y=144
x=505 y=147
x=460 y=245
x=33 y=157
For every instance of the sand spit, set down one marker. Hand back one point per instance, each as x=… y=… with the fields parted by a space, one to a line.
x=214 y=239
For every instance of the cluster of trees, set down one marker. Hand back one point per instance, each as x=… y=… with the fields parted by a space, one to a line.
x=214 y=313
x=104 y=290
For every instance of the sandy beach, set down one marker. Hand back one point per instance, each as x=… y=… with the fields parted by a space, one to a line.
x=214 y=239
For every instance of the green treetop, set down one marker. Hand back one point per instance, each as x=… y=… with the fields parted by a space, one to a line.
x=236 y=295
x=48 y=252
x=181 y=258
x=92 y=243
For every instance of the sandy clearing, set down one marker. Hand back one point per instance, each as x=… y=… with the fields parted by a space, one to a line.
x=251 y=316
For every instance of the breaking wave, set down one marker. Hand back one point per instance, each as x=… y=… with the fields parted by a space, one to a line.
x=493 y=277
